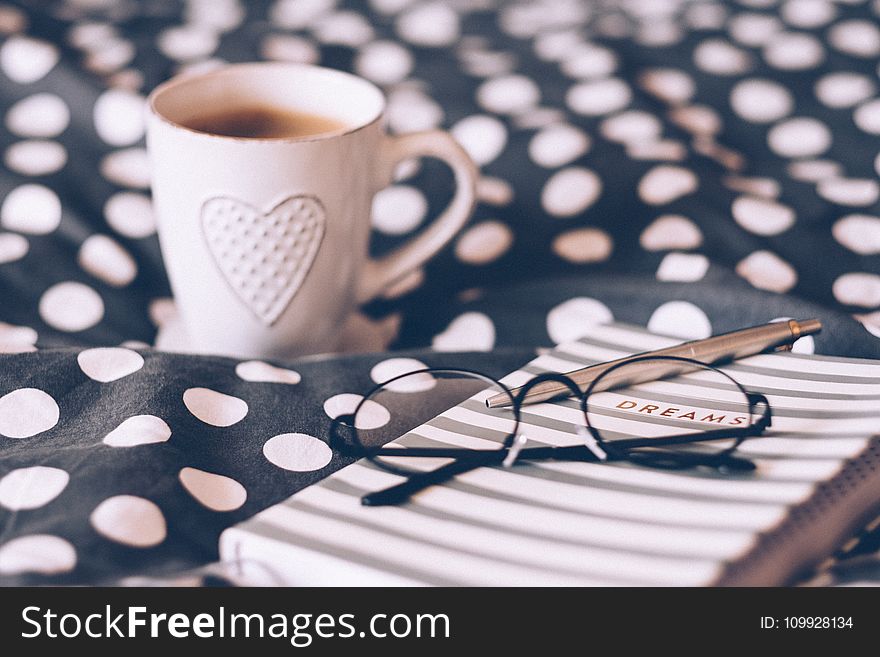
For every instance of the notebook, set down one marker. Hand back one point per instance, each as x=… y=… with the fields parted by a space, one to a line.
x=575 y=524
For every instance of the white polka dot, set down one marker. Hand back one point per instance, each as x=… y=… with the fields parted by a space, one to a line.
x=343 y=28
x=583 y=245
x=509 y=94
x=558 y=145
x=290 y=48
x=35 y=157
x=258 y=371
x=220 y=15
x=682 y=267
x=119 y=117
x=665 y=183
x=393 y=367
x=680 y=319
x=110 y=57
x=162 y=311
x=719 y=57
x=538 y=117
x=139 y=430
x=486 y=64
x=130 y=520
x=668 y=150
x=859 y=233
x=659 y=34
x=814 y=170
x=410 y=110
x=41 y=115
x=128 y=167
x=384 y=62
x=794 y=51
x=574 y=318
x=187 y=42
x=468 y=332
x=107 y=364
x=705 y=16
x=484 y=243
x=858 y=289
x=26 y=412
x=597 y=97
x=216 y=492
x=16 y=339
x=846 y=89
x=557 y=45
x=215 y=408
x=697 y=119
x=30 y=208
x=631 y=126
x=130 y=214
x=71 y=307
x=570 y=191
x=483 y=137
x=494 y=191
x=867 y=117
x=200 y=66
x=799 y=137
x=870 y=322
x=37 y=553
x=105 y=259
x=298 y=452
x=877 y=164
x=12 y=20
x=669 y=85
x=762 y=216
x=859 y=38
x=371 y=415
x=767 y=271
x=398 y=209
x=298 y=14
x=808 y=13
x=589 y=61
x=761 y=101
x=752 y=29
x=12 y=247
x=671 y=232
x=431 y=24
x=849 y=191
x=26 y=60
x=31 y=488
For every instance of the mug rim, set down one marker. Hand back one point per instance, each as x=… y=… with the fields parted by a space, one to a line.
x=184 y=79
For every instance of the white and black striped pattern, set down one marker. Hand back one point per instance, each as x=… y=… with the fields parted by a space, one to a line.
x=555 y=523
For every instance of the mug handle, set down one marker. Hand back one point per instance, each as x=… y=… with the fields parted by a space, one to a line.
x=379 y=273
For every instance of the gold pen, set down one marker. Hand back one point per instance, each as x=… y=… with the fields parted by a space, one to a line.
x=714 y=350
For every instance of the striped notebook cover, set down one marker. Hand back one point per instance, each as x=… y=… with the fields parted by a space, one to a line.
x=554 y=523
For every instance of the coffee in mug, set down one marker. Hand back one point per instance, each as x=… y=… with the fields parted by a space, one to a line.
x=263 y=177
x=263 y=122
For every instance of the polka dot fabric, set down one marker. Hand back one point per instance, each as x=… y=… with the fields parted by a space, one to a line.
x=690 y=166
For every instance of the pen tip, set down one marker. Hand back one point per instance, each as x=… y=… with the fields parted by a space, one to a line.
x=809 y=326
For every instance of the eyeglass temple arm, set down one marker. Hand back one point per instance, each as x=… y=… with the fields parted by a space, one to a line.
x=401 y=492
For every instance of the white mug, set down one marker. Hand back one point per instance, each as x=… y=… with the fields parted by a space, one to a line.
x=265 y=240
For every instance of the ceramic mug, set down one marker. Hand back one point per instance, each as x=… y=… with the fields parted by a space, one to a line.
x=265 y=240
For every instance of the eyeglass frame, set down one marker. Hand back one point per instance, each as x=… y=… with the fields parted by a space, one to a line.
x=512 y=448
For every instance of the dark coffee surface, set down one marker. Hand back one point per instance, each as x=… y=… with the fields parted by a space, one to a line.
x=264 y=122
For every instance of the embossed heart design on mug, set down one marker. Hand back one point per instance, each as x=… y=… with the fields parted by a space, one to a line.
x=264 y=256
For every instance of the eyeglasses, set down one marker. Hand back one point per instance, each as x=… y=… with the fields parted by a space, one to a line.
x=693 y=421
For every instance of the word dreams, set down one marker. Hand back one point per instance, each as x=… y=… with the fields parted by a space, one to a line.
x=695 y=415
